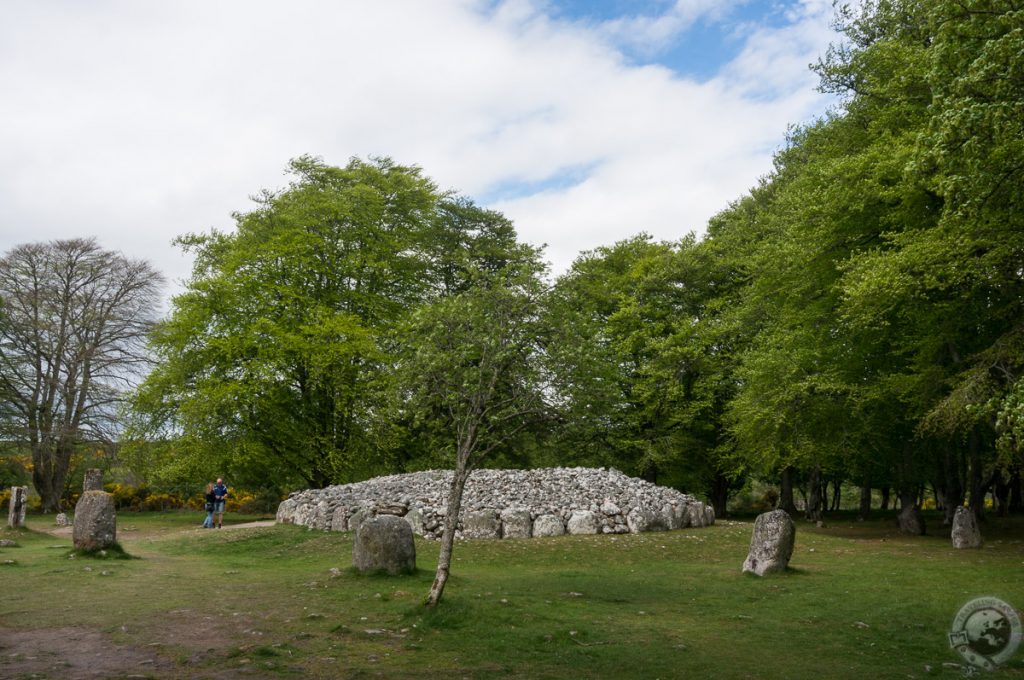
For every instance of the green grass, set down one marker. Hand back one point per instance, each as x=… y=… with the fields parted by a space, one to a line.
x=860 y=601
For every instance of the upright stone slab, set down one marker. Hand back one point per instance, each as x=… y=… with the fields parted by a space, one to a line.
x=414 y=518
x=339 y=520
x=697 y=515
x=19 y=504
x=93 y=480
x=966 y=533
x=384 y=544
x=771 y=544
x=95 y=525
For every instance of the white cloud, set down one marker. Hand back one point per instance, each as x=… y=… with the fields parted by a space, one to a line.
x=137 y=122
x=652 y=32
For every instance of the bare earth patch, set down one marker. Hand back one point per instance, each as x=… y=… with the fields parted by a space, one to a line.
x=73 y=653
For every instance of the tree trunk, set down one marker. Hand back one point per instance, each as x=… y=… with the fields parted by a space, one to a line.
x=978 y=487
x=885 y=497
x=786 y=492
x=953 y=493
x=864 y=511
x=719 y=495
x=1016 y=495
x=837 y=494
x=451 y=518
x=910 y=519
x=814 y=496
x=49 y=470
x=1002 y=494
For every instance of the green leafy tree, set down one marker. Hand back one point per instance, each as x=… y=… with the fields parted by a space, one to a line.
x=274 y=356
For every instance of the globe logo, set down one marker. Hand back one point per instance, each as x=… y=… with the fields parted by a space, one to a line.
x=986 y=632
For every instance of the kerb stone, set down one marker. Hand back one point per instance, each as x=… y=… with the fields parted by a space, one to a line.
x=384 y=544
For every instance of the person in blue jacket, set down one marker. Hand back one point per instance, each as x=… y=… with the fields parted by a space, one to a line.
x=220 y=494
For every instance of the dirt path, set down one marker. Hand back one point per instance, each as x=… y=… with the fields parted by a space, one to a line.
x=79 y=653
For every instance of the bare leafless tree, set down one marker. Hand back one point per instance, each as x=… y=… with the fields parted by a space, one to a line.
x=73 y=321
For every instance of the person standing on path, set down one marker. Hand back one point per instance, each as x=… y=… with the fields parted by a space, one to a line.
x=220 y=494
x=210 y=504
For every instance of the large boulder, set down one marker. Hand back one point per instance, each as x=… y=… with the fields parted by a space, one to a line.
x=771 y=544
x=384 y=544
x=481 y=524
x=516 y=523
x=286 y=512
x=582 y=522
x=548 y=525
x=95 y=525
x=966 y=533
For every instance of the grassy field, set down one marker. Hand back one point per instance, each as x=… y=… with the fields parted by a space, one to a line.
x=861 y=601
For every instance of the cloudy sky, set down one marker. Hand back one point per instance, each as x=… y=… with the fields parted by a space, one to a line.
x=584 y=121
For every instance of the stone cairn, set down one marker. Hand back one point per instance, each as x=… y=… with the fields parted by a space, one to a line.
x=95 y=526
x=19 y=505
x=771 y=544
x=966 y=533
x=503 y=504
x=384 y=544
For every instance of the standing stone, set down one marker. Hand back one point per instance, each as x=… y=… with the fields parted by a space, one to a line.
x=675 y=516
x=93 y=480
x=95 y=522
x=697 y=514
x=384 y=543
x=339 y=519
x=481 y=524
x=548 y=525
x=582 y=522
x=966 y=533
x=19 y=505
x=911 y=521
x=516 y=523
x=62 y=519
x=771 y=544
x=709 y=515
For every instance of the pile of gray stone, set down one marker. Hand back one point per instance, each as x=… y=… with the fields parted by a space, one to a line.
x=503 y=504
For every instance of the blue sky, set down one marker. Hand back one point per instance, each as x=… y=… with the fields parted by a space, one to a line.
x=585 y=122
x=715 y=37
